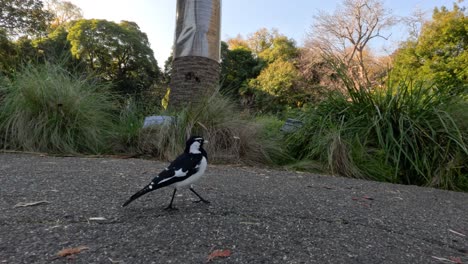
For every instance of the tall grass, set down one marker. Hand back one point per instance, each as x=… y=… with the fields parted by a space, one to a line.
x=128 y=128
x=44 y=108
x=233 y=137
x=405 y=133
x=47 y=109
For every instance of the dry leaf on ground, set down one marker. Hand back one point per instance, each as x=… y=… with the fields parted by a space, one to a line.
x=71 y=251
x=219 y=254
x=456 y=260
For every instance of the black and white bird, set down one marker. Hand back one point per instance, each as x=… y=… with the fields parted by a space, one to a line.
x=183 y=171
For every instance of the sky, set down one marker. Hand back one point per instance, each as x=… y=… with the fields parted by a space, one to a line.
x=292 y=18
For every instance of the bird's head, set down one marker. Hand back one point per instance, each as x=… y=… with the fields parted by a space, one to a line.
x=194 y=144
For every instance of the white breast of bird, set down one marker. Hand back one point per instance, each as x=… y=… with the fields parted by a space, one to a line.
x=195 y=176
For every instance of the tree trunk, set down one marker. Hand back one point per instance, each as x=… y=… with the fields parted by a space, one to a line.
x=195 y=68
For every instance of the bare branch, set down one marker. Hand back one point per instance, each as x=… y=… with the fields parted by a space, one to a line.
x=348 y=31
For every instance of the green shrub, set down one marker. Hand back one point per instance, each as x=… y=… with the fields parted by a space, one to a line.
x=273 y=139
x=403 y=134
x=47 y=109
x=127 y=129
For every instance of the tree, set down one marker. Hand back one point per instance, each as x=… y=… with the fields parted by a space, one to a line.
x=262 y=70
x=281 y=48
x=237 y=42
x=8 y=54
x=117 y=52
x=278 y=79
x=440 y=54
x=167 y=71
x=346 y=33
x=56 y=48
x=238 y=65
x=64 y=12
x=261 y=40
x=414 y=22
x=24 y=17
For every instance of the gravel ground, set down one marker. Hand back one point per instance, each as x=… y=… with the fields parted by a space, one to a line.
x=259 y=215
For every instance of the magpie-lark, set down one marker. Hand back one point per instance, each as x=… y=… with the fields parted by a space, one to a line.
x=183 y=171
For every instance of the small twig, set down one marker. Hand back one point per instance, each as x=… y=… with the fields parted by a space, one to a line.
x=99 y=218
x=447 y=260
x=25 y=204
x=457 y=233
x=441 y=259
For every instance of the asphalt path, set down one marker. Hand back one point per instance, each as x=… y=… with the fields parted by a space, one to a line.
x=256 y=215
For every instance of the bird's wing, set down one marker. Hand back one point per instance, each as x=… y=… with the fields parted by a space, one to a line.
x=180 y=169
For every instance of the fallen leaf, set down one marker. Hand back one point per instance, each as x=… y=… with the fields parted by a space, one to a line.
x=71 y=251
x=219 y=254
x=23 y=204
x=456 y=260
x=364 y=204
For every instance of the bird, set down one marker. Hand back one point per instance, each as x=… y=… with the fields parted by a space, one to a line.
x=183 y=171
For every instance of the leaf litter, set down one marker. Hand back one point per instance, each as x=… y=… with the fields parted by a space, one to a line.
x=219 y=253
x=67 y=252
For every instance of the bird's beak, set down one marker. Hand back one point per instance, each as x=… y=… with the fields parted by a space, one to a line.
x=205 y=141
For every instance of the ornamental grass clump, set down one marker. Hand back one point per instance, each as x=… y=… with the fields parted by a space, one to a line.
x=47 y=109
x=233 y=137
x=406 y=132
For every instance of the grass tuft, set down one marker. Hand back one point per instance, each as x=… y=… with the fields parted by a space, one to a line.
x=46 y=109
x=405 y=133
x=233 y=137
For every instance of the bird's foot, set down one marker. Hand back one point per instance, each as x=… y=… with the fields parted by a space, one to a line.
x=202 y=200
x=170 y=209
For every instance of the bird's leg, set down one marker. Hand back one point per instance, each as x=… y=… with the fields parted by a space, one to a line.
x=201 y=198
x=169 y=207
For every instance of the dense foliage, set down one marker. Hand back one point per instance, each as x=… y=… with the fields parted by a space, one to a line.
x=238 y=66
x=73 y=85
x=46 y=109
x=116 y=52
x=440 y=54
x=24 y=17
x=263 y=72
x=403 y=134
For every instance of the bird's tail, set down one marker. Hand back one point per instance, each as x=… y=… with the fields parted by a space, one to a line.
x=148 y=188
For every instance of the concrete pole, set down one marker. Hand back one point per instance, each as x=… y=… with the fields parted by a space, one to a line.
x=196 y=64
